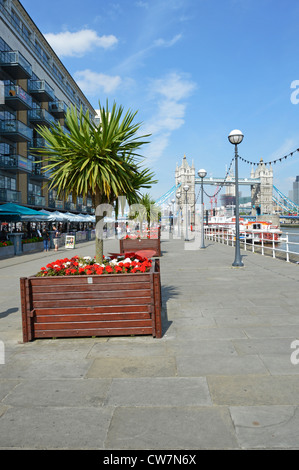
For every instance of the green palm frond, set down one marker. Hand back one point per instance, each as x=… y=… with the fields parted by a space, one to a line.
x=103 y=161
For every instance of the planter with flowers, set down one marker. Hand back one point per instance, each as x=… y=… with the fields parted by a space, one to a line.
x=6 y=249
x=32 y=244
x=147 y=240
x=79 y=297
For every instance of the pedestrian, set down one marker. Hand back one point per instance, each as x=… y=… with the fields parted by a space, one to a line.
x=55 y=238
x=46 y=239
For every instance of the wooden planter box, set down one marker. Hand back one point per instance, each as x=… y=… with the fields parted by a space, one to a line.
x=98 y=305
x=127 y=245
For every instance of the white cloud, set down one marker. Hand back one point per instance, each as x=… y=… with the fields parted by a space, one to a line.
x=169 y=92
x=92 y=83
x=164 y=43
x=78 y=43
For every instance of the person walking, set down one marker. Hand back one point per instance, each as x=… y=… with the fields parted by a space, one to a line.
x=56 y=238
x=46 y=239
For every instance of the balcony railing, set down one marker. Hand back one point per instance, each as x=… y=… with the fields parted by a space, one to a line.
x=35 y=200
x=41 y=90
x=17 y=98
x=70 y=206
x=41 y=116
x=58 y=108
x=15 y=162
x=55 y=204
x=13 y=63
x=9 y=195
x=16 y=131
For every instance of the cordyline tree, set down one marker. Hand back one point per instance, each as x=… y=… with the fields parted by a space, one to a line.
x=146 y=210
x=100 y=161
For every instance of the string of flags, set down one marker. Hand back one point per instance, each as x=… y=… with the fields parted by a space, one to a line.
x=221 y=184
x=273 y=161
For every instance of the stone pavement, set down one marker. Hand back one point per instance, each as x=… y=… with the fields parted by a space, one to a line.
x=221 y=377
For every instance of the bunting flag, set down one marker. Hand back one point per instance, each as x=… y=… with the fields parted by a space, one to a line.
x=280 y=159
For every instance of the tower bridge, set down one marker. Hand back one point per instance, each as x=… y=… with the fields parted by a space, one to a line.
x=212 y=180
x=265 y=197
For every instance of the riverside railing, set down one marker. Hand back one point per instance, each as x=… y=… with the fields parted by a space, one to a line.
x=263 y=245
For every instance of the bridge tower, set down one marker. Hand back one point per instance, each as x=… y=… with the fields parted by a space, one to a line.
x=185 y=174
x=261 y=193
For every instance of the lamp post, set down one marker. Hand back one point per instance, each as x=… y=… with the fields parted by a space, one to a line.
x=186 y=189
x=202 y=173
x=179 y=217
x=235 y=137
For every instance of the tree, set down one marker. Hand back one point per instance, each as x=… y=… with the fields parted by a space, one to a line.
x=146 y=209
x=102 y=161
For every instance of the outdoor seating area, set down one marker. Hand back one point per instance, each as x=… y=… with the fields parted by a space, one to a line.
x=21 y=228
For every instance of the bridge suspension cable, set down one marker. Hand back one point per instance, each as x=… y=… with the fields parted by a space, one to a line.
x=284 y=202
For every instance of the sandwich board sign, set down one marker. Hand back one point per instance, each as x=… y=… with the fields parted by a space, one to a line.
x=70 y=241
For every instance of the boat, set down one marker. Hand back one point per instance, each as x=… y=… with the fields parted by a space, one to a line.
x=254 y=231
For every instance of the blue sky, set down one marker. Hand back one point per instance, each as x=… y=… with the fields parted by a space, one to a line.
x=194 y=70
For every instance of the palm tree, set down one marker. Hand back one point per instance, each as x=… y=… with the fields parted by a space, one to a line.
x=146 y=210
x=99 y=161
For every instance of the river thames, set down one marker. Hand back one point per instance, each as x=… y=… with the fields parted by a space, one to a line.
x=293 y=235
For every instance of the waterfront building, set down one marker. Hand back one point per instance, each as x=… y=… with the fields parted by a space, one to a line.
x=295 y=198
x=36 y=88
x=185 y=174
x=262 y=193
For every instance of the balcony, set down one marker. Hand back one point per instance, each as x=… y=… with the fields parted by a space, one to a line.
x=13 y=63
x=38 y=142
x=55 y=204
x=15 y=163
x=58 y=109
x=70 y=206
x=35 y=200
x=17 y=98
x=41 y=90
x=9 y=195
x=41 y=117
x=37 y=172
x=16 y=131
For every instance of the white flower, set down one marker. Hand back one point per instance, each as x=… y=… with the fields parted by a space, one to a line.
x=88 y=258
x=127 y=260
x=113 y=262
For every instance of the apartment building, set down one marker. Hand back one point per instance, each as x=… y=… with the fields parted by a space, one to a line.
x=35 y=89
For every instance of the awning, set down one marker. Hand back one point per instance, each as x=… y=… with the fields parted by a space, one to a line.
x=15 y=212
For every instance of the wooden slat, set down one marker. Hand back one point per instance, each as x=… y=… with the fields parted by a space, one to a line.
x=85 y=303
x=96 y=279
x=117 y=286
x=94 y=332
x=91 y=317
x=107 y=309
x=92 y=325
x=92 y=295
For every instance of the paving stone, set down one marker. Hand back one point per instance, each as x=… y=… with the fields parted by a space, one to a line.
x=171 y=428
x=48 y=427
x=69 y=393
x=254 y=390
x=266 y=427
x=166 y=391
x=156 y=366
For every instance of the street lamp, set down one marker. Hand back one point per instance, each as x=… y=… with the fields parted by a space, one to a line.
x=179 y=217
x=202 y=173
x=235 y=137
x=186 y=189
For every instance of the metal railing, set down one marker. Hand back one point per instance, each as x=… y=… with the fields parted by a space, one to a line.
x=284 y=248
